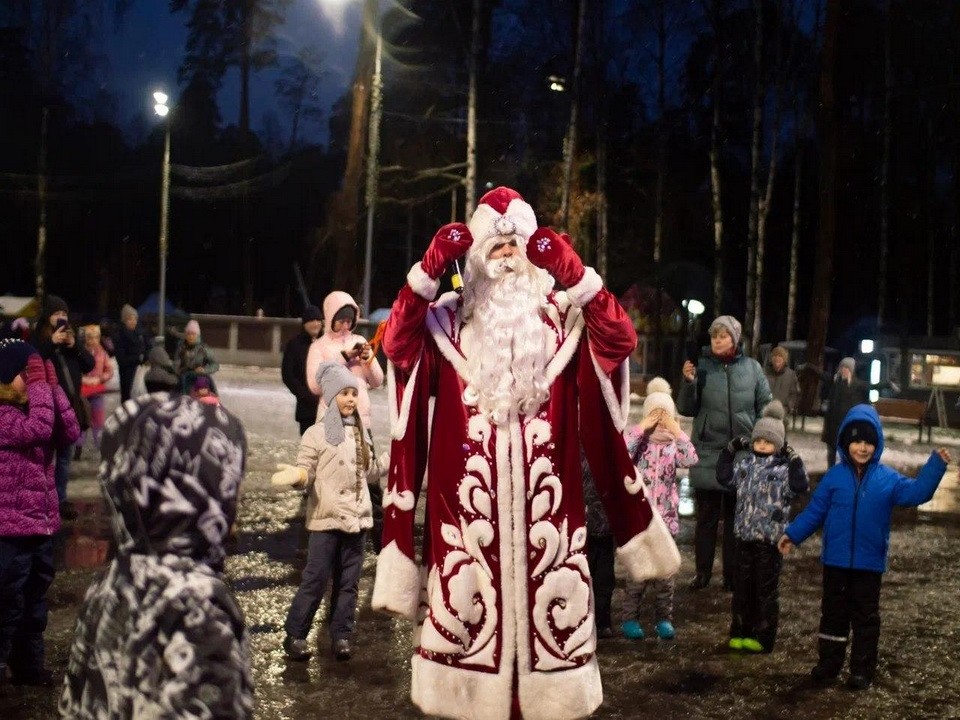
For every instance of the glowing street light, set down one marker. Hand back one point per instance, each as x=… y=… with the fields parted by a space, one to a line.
x=694 y=307
x=557 y=83
x=162 y=109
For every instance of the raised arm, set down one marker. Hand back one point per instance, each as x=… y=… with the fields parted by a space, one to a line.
x=916 y=491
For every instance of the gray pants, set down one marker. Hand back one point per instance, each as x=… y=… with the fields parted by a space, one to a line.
x=663 y=599
x=330 y=553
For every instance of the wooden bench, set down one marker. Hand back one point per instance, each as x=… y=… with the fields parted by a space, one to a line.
x=905 y=411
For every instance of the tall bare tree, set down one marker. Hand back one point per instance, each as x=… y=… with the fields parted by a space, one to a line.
x=756 y=147
x=886 y=129
x=470 y=178
x=714 y=10
x=829 y=141
x=298 y=89
x=570 y=143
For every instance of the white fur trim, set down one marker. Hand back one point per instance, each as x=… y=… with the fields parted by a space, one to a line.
x=619 y=409
x=421 y=283
x=651 y=554
x=400 y=415
x=561 y=695
x=585 y=290
x=441 y=690
x=568 y=346
x=483 y=223
x=396 y=589
x=518 y=520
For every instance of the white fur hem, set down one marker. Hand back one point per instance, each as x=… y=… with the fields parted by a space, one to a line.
x=396 y=589
x=651 y=554
x=585 y=290
x=456 y=692
x=400 y=414
x=421 y=283
x=562 y=695
x=619 y=409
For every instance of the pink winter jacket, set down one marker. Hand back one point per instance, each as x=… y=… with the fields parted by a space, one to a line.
x=657 y=464
x=329 y=346
x=28 y=438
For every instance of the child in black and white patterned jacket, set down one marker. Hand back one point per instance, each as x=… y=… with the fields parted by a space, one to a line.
x=767 y=475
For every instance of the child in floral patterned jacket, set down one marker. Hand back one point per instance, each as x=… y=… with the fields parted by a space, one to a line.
x=658 y=447
x=766 y=481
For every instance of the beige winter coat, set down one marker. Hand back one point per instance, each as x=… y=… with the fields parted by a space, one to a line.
x=339 y=498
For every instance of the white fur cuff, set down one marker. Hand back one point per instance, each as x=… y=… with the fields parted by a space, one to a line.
x=396 y=589
x=421 y=283
x=651 y=554
x=585 y=290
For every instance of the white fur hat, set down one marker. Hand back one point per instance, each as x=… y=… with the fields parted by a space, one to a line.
x=502 y=212
x=659 y=396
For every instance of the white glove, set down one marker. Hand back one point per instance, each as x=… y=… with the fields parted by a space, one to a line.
x=288 y=475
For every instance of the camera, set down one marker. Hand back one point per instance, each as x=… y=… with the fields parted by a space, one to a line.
x=62 y=323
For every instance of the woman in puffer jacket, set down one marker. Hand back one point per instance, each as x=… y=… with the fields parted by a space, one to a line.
x=35 y=419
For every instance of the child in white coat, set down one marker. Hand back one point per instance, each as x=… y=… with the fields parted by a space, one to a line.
x=334 y=462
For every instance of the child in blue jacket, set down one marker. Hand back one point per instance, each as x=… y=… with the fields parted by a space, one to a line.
x=854 y=502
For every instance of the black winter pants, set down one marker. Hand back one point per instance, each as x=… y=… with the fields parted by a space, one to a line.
x=600 y=552
x=851 y=600
x=756 y=595
x=712 y=507
x=26 y=572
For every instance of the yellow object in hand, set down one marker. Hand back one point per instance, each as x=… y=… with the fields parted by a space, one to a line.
x=288 y=475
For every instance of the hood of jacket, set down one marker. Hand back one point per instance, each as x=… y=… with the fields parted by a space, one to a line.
x=867 y=413
x=171 y=470
x=332 y=304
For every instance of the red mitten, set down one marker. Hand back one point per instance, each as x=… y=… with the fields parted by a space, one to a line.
x=51 y=373
x=554 y=253
x=450 y=243
x=34 y=372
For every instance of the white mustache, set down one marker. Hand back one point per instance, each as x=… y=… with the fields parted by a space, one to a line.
x=496 y=268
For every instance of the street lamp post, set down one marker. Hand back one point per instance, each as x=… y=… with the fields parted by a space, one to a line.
x=373 y=161
x=162 y=109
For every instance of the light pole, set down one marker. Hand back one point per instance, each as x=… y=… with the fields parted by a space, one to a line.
x=162 y=109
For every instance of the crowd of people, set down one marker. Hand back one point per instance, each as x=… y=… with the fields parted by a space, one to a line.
x=510 y=395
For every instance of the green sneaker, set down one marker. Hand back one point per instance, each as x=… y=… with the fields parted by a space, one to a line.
x=751 y=645
x=735 y=644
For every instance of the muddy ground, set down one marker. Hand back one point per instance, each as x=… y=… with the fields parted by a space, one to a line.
x=693 y=676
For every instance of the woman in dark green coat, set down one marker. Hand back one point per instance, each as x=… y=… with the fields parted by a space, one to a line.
x=725 y=393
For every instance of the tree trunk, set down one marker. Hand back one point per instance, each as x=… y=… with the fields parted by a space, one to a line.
x=661 y=129
x=885 y=169
x=795 y=237
x=600 y=98
x=823 y=274
x=470 y=179
x=570 y=143
x=40 y=261
x=343 y=219
x=246 y=40
x=715 y=188
x=755 y=150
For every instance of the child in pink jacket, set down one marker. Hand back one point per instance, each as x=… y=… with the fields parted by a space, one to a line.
x=35 y=419
x=658 y=447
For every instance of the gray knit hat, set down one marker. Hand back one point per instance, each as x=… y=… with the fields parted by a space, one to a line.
x=128 y=311
x=770 y=425
x=848 y=362
x=332 y=378
x=730 y=324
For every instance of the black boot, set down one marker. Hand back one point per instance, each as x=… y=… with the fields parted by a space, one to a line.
x=859 y=682
x=296 y=649
x=699 y=582
x=341 y=649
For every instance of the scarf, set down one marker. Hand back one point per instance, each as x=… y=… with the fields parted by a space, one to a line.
x=333 y=424
x=161 y=635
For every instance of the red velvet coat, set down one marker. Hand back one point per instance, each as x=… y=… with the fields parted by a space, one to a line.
x=503 y=582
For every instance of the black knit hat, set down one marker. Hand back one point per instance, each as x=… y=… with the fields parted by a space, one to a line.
x=14 y=354
x=347 y=312
x=311 y=312
x=858 y=430
x=53 y=304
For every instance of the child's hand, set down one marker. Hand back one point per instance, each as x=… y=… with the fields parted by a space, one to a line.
x=651 y=420
x=288 y=475
x=944 y=455
x=689 y=371
x=671 y=424
x=785 y=545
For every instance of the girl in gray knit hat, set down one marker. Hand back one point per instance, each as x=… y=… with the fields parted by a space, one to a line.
x=766 y=475
x=335 y=461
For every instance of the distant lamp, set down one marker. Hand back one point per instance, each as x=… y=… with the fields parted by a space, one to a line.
x=161 y=110
x=557 y=83
x=866 y=347
x=160 y=98
x=694 y=307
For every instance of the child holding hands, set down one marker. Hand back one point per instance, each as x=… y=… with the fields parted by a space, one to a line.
x=766 y=480
x=657 y=446
x=335 y=459
x=854 y=502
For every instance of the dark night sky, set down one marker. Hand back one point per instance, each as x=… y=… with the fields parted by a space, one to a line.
x=144 y=52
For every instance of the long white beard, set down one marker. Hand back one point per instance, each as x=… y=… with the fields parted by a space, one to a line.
x=506 y=365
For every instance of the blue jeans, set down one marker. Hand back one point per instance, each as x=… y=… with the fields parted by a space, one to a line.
x=330 y=553
x=61 y=472
x=26 y=571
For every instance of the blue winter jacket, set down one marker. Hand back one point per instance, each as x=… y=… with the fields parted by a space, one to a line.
x=855 y=514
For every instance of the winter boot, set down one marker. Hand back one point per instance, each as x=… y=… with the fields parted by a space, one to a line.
x=631 y=630
x=665 y=630
x=341 y=649
x=296 y=648
x=735 y=644
x=859 y=682
x=752 y=645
